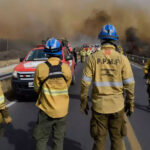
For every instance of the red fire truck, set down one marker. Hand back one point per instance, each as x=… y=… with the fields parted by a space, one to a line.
x=23 y=75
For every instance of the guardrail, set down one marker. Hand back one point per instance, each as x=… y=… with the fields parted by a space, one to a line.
x=134 y=58
x=6 y=76
x=138 y=59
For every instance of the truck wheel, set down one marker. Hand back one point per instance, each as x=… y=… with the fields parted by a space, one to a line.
x=17 y=96
x=73 y=79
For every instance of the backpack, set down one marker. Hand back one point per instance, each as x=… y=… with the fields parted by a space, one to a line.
x=55 y=71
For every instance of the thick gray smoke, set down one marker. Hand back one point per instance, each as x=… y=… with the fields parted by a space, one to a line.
x=38 y=19
x=135 y=45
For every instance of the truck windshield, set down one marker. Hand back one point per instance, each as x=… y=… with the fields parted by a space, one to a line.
x=37 y=55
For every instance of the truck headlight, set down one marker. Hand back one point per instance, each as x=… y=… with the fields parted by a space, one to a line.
x=15 y=74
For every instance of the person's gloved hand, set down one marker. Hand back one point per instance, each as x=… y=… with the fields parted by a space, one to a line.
x=8 y=120
x=129 y=109
x=6 y=116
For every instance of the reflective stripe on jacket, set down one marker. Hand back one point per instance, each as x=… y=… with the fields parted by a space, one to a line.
x=147 y=69
x=110 y=72
x=53 y=98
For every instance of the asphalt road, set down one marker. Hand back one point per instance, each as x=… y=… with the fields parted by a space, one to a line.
x=18 y=136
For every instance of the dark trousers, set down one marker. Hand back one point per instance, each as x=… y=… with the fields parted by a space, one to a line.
x=1 y=130
x=114 y=124
x=148 y=91
x=47 y=126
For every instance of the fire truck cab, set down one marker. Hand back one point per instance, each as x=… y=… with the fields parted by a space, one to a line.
x=23 y=75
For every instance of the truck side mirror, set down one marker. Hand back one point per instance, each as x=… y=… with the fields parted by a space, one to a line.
x=21 y=59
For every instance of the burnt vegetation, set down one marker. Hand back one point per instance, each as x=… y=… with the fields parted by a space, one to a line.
x=10 y=49
x=135 y=45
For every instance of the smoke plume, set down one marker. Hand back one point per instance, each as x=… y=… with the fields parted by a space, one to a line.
x=135 y=45
x=38 y=19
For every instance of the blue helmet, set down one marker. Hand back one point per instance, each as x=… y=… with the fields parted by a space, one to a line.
x=53 y=47
x=108 y=32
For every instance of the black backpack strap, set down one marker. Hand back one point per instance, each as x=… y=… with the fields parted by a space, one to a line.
x=55 y=71
x=48 y=64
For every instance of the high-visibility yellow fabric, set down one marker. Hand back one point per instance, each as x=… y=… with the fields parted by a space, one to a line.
x=53 y=98
x=55 y=92
x=82 y=52
x=2 y=103
x=88 y=52
x=2 y=99
x=120 y=49
x=110 y=72
x=82 y=55
x=147 y=69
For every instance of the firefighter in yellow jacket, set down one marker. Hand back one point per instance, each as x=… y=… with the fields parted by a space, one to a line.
x=147 y=77
x=88 y=53
x=111 y=75
x=4 y=115
x=120 y=49
x=52 y=80
x=82 y=55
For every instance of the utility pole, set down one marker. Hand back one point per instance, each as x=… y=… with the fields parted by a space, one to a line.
x=6 y=44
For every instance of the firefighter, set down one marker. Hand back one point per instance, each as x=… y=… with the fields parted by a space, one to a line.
x=88 y=53
x=64 y=42
x=111 y=75
x=97 y=47
x=4 y=115
x=120 y=49
x=147 y=76
x=82 y=55
x=51 y=81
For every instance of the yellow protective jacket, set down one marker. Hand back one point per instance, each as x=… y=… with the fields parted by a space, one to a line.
x=120 y=49
x=53 y=98
x=82 y=53
x=147 y=70
x=110 y=72
x=88 y=52
x=2 y=103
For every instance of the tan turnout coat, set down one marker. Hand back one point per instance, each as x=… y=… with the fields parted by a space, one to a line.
x=53 y=98
x=2 y=103
x=110 y=73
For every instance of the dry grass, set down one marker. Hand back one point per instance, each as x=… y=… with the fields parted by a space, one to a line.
x=6 y=85
x=4 y=63
x=11 y=56
x=7 y=89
